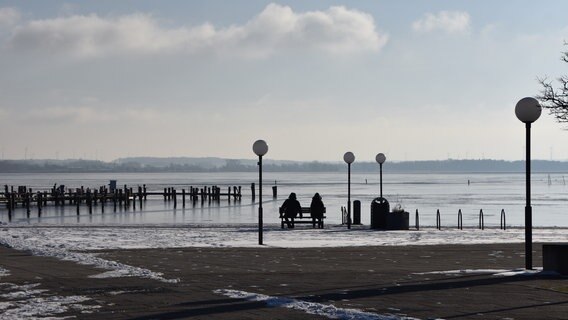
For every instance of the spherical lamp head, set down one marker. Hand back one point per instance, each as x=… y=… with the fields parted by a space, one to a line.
x=348 y=157
x=260 y=147
x=528 y=110
x=381 y=158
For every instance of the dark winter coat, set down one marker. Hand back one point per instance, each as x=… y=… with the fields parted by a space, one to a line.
x=316 y=208
x=291 y=208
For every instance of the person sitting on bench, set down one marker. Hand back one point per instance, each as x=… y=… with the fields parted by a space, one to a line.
x=291 y=208
x=316 y=209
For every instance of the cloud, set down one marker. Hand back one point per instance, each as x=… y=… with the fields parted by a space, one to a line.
x=9 y=16
x=65 y=114
x=277 y=28
x=99 y=115
x=452 y=22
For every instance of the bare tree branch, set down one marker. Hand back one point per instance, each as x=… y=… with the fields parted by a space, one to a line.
x=555 y=99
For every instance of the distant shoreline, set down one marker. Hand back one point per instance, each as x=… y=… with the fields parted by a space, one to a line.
x=205 y=165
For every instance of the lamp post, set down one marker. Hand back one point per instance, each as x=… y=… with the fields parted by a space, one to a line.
x=349 y=157
x=380 y=158
x=528 y=110
x=260 y=148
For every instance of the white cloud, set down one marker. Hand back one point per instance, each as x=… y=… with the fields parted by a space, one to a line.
x=447 y=21
x=66 y=114
x=337 y=30
x=9 y=16
x=99 y=115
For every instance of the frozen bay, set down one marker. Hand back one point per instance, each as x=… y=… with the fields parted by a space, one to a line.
x=426 y=193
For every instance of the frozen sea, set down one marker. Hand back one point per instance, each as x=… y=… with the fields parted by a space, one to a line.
x=61 y=233
x=426 y=193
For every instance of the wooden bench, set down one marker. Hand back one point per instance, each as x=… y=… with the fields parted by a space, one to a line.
x=305 y=217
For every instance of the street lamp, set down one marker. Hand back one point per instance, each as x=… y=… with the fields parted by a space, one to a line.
x=260 y=148
x=528 y=111
x=349 y=157
x=380 y=160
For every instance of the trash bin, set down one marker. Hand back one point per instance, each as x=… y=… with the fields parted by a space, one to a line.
x=379 y=210
x=356 y=212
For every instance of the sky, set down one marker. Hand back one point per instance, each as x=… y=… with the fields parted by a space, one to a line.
x=416 y=80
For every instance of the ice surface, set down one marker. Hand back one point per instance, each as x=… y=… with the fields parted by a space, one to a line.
x=424 y=192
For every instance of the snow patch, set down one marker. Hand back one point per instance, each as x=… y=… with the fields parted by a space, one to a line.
x=20 y=292
x=25 y=302
x=4 y=272
x=328 y=311
x=495 y=272
x=81 y=238
x=466 y=271
x=47 y=247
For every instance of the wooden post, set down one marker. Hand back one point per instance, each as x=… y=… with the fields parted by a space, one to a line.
x=39 y=203
x=77 y=201
x=175 y=197
x=90 y=201
x=9 y=204
x=252 y=191
x=27 y=202
x=183 y=197
x=145 y=194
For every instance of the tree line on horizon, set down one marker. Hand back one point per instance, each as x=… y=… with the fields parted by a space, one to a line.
x=233 y=165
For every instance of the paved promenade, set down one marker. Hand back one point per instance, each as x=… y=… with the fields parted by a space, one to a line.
x=377 y=280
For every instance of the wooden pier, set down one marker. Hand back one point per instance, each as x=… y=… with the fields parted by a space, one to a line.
x=125 y=197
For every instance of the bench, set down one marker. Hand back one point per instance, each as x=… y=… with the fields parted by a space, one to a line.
x=304 y=217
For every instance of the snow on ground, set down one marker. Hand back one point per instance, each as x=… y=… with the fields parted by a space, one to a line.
x=52 y=246
x=77 y=243
x=4 y=272
x=332 y=312
x=69 y=238
x=28 y=302
x=71 y=242
x=495 y=272
x=325 y=310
